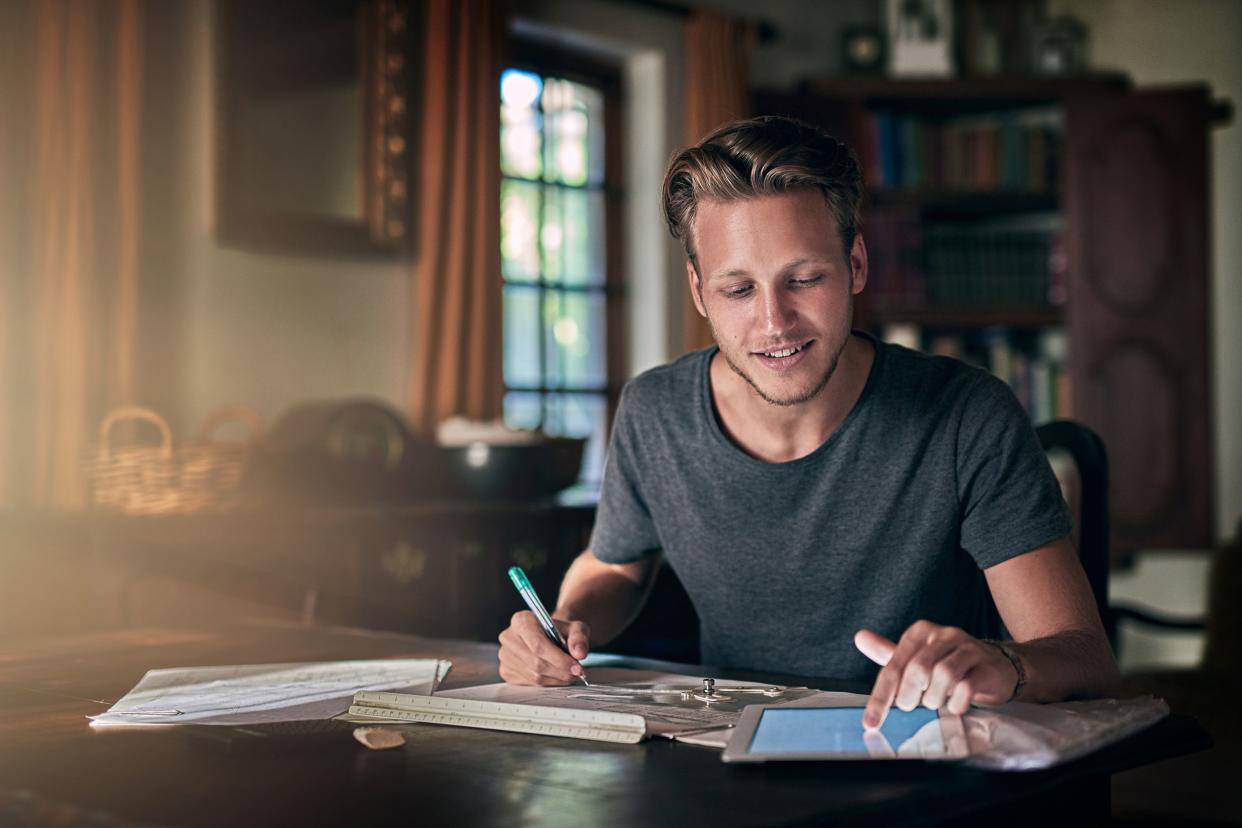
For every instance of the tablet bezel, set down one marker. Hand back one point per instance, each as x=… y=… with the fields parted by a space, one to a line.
x=952 y=733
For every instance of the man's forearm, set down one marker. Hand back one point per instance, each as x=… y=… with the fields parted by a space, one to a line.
x=605 y=596
x=1075 y=664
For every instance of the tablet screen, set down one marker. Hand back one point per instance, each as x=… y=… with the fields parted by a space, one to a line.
x=839 y=730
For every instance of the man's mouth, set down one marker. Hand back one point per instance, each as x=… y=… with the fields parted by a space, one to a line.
x=786 y=357
x=781 y=353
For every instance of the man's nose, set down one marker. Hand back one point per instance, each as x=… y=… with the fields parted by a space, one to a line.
x=778 y=312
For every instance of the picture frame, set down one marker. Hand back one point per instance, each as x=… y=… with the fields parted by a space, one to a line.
x=920 y=38
x=313 y=141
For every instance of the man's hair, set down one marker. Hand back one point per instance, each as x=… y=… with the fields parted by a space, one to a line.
x=762 y=156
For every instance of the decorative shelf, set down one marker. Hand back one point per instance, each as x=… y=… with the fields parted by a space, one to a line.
x=942 y=94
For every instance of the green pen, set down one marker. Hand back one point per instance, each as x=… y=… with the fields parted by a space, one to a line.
x=536 y=606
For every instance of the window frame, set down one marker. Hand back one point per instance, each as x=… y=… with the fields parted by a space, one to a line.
x=548 y=60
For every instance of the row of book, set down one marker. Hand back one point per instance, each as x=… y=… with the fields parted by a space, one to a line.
x=1017 y=263
x=966 y=266
x=1032 y=362
x=894 y=236
x=1016 y=151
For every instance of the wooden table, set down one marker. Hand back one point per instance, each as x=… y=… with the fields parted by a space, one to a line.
x=55 y=770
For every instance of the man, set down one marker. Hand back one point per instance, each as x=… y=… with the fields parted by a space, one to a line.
x=828 y=501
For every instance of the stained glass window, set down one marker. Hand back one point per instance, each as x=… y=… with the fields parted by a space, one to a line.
x=553 y=244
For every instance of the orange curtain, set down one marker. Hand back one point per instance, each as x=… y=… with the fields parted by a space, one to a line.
x=457 y=336
x=70 y=254
x=718 y=55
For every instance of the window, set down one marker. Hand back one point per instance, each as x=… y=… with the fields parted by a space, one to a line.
x=560 y=305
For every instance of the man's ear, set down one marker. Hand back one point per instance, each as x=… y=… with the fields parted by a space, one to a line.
x=696 y=288
x=858 y=265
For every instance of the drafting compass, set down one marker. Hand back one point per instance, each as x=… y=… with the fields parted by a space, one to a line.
x=708 y=692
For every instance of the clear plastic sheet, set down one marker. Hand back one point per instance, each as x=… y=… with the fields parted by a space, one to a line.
x=1020 y=736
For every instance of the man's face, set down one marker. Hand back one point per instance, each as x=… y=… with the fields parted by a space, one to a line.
x=776 y=288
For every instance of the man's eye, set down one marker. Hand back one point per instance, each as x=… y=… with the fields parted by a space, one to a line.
x=737 y=292
x=805 y=281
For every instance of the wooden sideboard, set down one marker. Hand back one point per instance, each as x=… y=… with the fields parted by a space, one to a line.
x=436 y=568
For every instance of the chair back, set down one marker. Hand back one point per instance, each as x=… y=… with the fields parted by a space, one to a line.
x=1087 y=497
x=1222 y=645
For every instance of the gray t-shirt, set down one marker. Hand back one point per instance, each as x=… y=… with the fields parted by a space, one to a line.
x=935 y=475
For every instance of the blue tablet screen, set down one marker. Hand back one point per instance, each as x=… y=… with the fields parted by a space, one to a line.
x=831 y=730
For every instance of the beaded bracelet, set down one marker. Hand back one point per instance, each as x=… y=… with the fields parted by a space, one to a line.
x=1017 y=666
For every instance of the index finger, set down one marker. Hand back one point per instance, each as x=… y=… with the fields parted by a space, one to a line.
x=888 y=682
x=880 y=650
x=881 y=699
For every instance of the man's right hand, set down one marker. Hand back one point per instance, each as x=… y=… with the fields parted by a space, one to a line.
x=528 y=656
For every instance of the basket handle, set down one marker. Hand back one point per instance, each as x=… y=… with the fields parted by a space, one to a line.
x=230 y=413
x=134 y=412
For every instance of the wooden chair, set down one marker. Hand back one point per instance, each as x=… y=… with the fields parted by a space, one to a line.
x=1086 y=490
x=1084 y=485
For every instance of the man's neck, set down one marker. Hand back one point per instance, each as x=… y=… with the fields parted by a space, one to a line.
x=778 y=434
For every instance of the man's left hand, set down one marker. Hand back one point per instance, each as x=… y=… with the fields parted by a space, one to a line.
x=934 y=666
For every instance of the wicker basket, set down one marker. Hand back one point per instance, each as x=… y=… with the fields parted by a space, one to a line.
x=152 y=480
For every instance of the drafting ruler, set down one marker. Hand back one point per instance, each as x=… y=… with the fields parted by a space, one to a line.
x=521 y=718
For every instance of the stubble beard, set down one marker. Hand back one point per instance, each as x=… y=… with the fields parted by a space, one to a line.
x=812 y=392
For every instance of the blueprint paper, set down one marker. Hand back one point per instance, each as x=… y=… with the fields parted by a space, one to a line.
x=665 y=715
x=257 y=693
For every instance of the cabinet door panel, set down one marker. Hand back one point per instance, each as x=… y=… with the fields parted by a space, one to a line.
x=1137 y=235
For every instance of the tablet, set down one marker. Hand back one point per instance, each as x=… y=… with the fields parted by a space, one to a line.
x=773 y=734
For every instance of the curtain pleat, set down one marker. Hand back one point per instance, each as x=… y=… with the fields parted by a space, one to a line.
x=62 y=249
x=128 y=88
x=718 y=57
x=456 y=314
x=71 y=256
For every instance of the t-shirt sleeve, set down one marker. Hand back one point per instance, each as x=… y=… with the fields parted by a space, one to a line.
x=1009 y=498
x=624 y=531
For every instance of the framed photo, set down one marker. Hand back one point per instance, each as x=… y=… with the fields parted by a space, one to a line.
x=920 y=37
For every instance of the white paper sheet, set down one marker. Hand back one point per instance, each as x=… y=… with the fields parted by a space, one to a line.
x=665 y=715
x=254 y=693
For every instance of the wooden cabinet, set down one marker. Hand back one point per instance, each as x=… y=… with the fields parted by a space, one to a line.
x=438 y=568
x=1122 y=316
x=1138 y=245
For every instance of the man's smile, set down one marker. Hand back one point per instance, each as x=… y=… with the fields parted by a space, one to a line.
x=784 y=357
